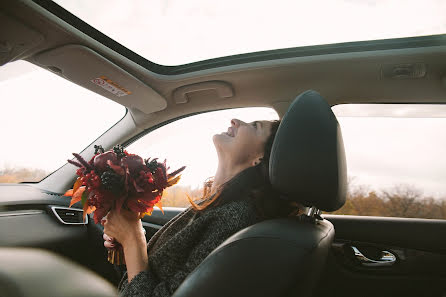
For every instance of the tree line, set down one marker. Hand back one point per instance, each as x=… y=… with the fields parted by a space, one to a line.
x=17 y=175
x=401 y=201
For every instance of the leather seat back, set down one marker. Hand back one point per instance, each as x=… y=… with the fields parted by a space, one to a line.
x=281 y=257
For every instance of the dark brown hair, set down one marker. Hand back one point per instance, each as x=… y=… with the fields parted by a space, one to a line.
x=252 y=183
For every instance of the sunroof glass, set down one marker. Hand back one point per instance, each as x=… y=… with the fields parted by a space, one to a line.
x=177 y=32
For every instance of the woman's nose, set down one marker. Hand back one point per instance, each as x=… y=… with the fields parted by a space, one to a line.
x=235 y=122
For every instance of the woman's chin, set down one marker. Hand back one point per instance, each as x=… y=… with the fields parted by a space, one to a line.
x=221 y=139
x=216 y=138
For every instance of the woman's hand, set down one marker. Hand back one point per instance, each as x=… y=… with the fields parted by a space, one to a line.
x=124 y=227
x=108 y=241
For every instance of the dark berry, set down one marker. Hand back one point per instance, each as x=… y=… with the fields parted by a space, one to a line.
x=98 y=149
x=119 y=150
x=152 y=165
x=112 y=181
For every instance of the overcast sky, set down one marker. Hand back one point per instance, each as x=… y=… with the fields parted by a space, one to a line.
x=41 y=112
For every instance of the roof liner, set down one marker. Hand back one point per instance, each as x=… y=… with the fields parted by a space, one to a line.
x=17 y=40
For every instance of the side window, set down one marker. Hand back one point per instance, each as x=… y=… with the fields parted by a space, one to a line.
x=395 y=159
x=188 y=142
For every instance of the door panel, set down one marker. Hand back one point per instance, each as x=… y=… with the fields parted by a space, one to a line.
x=418 y=245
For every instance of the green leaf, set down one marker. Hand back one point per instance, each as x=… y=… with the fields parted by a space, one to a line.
x=84 y=197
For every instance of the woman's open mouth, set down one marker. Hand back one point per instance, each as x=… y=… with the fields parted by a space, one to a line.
x=230 y=132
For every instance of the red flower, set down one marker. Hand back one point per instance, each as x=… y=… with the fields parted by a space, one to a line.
x=112 y=180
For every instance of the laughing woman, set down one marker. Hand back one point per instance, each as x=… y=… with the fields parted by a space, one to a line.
x=239 y=196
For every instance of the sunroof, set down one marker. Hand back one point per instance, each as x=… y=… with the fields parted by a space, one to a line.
x=175 y=32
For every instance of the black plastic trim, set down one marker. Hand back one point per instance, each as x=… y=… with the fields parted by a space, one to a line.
x=347 y=47
x=414 y=233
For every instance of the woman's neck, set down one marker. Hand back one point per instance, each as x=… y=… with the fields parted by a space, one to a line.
x=224 y=174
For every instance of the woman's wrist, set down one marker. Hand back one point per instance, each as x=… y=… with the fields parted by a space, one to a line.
x=134 y=235
x=136 y=259
x=134 y=239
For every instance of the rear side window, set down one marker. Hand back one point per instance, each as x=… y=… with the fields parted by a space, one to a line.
x=396 y=159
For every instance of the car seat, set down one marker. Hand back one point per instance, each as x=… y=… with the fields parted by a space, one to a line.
x=284 y=257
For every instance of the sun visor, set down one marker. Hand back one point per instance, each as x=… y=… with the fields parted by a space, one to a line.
x=90 y=70
x=16 y=39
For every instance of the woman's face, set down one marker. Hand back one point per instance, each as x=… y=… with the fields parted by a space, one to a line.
x=243 y=143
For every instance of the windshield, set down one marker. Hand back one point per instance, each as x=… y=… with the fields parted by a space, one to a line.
x=177 y=32
x=45 y=118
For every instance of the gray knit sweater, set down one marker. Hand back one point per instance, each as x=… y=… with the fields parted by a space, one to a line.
x=183 y=243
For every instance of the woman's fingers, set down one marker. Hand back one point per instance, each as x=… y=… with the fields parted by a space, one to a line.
x=122 y=227
x=108 y=241
x=109 y=245
x=107 y=238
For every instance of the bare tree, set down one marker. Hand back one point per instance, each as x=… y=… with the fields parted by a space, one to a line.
x=403 y=201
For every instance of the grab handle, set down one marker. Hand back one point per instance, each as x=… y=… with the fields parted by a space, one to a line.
x=387 y=258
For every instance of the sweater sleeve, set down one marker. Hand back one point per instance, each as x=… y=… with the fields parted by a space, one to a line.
x=220 y=225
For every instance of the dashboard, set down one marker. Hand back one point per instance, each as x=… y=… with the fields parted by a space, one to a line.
x=30 y=217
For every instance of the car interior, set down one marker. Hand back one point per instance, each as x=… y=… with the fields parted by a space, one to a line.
x=47 y=249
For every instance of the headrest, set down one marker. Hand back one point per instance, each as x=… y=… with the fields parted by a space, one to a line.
x=307 y=162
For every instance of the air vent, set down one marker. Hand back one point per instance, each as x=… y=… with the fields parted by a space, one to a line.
x=69 y=216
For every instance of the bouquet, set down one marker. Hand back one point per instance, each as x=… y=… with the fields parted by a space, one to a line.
x=116 y=179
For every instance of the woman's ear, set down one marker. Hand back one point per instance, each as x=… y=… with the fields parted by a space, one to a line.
x=257 y=161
